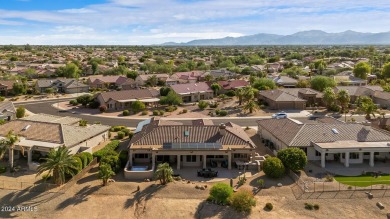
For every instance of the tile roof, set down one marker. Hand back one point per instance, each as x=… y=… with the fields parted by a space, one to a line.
x=7 y=106
x=227 y=85
x=68 y=83
x=40 y=117
x=279 y=95
x=299 y=134
x=297 y=91
x=359 y=90
x=8 y=84
x=147 y=76
x=191 y=88
x=118 y=79
x=129 y=94
x=382 y=95
x=285 y=80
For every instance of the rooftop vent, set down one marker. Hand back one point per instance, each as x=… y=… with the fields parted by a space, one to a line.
x=26 y=127
x=335 y=131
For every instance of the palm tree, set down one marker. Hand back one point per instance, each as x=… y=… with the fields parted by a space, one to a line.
x=367 y=106
x=240 y=95
x=215 y=87
x=59 y=163
x=329 y=97
x=9 y=144
x=164 y=173
x=251 y=106
x=249 y=93
x=152 y=81
x=105 y=173
x=343 y=99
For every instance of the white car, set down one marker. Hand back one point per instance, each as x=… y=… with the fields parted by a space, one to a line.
x=280 y=115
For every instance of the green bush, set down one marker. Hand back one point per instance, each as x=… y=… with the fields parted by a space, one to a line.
x=46 y=176
x=170 y=108
x=268 y=206
x=221 y=192
x=185 y=110
x=117 y=128
x=73 y=102
x=126 y=113
x=131 y=134
x=293 y=158
x=123 y=156
x=273 y=167
x=231 y=93
x=309 y=206
x=162 y=112
x=83 y=159
x=79 y=164
x=2 y=99
x=155 y=112
x=243 y=201
x=223 y=113
x=113 y=161
x=121 y=135
x=144 y=113
x=88 y=156
x=3 y=169
x=126 y=131
x=203 y=104
x=213 y=105
x=316 y=207
x=108 y=149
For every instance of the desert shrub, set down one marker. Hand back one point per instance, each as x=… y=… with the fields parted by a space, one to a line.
x=221 y=192
x=117 y=128
x=144 y=113
x=155 y=112
x=108 y=149
x=334 y=108
x=2 y=121
x=203 y=104
x=126 y=131
x=242 y=201
x=46 y=176
x=2 y=99
x=217 y=112
x=223 y=113
x=309 y=206
x=185 y=110
x=293 y=158
x=329 y=178
x=273 y=167
x=162 y=112
x=125 y=113
x=113 y=161
x=103 y=108
x=261 y=183
x=83 y=122
x=213 y=105
x=94 y=105
x=120 y=135
x=79 y=164
x=316 y=207
x=170 y=108
x=131 y=134
x=268 y=206
x=20 y=112
x=73 y=102
x=230 y=93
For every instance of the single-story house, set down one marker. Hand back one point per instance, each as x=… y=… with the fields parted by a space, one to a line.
x=222 y=73
x=141 y=80
x=280 y=100
x=38 y=138
x=119 y=100
x=311 y=96
x=7 y=111
x=201 y=144
x=187 y=77
x=68 y=86
x=193 y=92
x=347 y=78
x=356 y=91
x=41 y=117
x=6 y=87
x=106 y=82
x=231 y=85
x=382 y=98
x=285 y=81
x=347 y=143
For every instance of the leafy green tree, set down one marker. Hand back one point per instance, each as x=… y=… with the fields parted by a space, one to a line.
x=386 y=70
x=367 y=106
x=293 y=158
x=152 y=80
x=58 y=163
x=171 y=99
x=19 y=88
x=203 y=104
x=164 y=173
x=240 y=95
x=294 y=72
x=221 y=192
x=132 y=74
x=71 y=70
x=243 y=200
x=343 y=99
x=361 y=70
x=329 y=97
x=84 y=99
x=215 y=87
x=105 y=173
x=20 y=112
x=208 y=78
x=164 y=91
x=264 y=84
x=303 y=84
x=251 y=106
x=321 y=82
x=138 y=106
x=273 y=167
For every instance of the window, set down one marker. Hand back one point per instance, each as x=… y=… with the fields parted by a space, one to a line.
x=191 y=158
x=318 y=153
x=210 y=156
x=354 y=155
x=141 y=156
x=366 y=153
x=240 y=155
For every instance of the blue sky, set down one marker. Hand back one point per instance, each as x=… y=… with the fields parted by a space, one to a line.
x=136 y=22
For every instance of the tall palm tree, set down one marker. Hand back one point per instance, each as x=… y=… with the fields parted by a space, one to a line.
x=164 y=173
x=251 y=106
x=9 y=144
x=249 y=93
x=105 y=173
x=59 y=163
x=240 y=95
x=343 y=99
x=215 y=87
x=329 y=97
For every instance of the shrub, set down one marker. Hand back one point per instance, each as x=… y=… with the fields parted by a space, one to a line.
x=126 y=113
x=131 y=134
x=273 y=167
x=230 y=93
x=203 y=104
x=213 y=105
x=220 y=192
x=46 y=176
x=268 y=206
x=108 y=149
x=170 y=108
x=293 y=158
x=223 y=113
x=2 y=99
x=243 y=201
x=88 y=156
x=261 y=183
x=2 y=121
x=79 y=164
x=126 y=131
x=121 y=135
x=309 y=206
x=316 y=207
x=162 y=112
x=117 y=128
x=73 y=102
x=329 y=178
x=144 y=113
x=94 y=105
x=20 y=112
x=113 y=161
x=103 y=108
x=123 y=156
x=155 y=112
x=83 y=159
x=185 y=110
x=83 y=122
x=3 y=169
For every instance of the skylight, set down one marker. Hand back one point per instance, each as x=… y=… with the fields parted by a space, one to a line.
x=335 y=131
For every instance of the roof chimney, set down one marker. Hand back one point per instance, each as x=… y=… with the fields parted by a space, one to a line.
x=222 y=129
x=367 y=125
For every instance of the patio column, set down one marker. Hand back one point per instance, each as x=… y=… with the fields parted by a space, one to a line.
x=346 y=161
x=204 y=161
x=29 y=156
x=11 y=156
x=153 y=160
x=229 y=160
x=178 y=162
x=372 y=158
x=323 y=154
x=130 y=158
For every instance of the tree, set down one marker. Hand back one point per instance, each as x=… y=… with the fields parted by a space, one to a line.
x=84 y=99
x=321 y=82
x=105 y=173
x=164 y=91
x=386 y=70
x=71 y=70
x=243 y=200
x=215 y=87
x=19 y=88
x=58 y=163
x=240 y=95
x=208 y=77
x=303 y=83
x=152 y=80
x=137 y=106
x=171 y=99
x=164 y=173
x=343 y=100
x=203 y=104
x=367 y=106
x=20 y=112
x=94 y=66
x=273 y=167
x=8 y=143
x=132 y=74
x=249 y=93
x=251 y=106
x=293 y=158
x=220 y=192
x=329 y=97
x=361 y=70
x=264 y=84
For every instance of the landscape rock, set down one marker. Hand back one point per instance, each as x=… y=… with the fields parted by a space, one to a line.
x=279 y=184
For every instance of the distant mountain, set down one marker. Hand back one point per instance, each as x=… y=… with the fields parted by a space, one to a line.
x=311 y=37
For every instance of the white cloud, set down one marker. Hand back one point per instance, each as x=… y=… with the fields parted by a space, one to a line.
x=77 y=29
x=77 y=11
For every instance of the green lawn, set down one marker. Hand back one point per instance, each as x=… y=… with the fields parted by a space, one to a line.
x=363 y=180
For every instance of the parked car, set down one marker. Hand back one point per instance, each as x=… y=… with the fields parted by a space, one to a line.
x=280 y=115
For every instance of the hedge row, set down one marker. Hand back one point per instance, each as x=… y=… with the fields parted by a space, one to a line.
x=108 y=149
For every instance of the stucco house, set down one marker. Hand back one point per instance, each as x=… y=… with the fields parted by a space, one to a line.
x=285 y=81
x=279 y=100
x=69 y=86
x=187 y=77
x=107 y=82
x=328 y=140
x=6 y=87
x=193 y=92
x=141 y=80
x=201 y=144
x=7 y=111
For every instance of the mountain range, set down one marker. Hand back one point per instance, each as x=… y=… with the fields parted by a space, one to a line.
x=311 y=37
